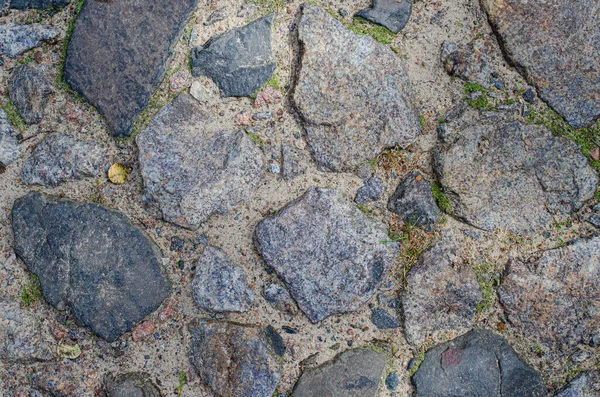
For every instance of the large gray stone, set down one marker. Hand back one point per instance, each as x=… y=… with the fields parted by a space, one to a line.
x=393 y=14
x=353 y=373
x=91 y=259
x=352 y=94
x=586 y=384
x=29 y=90
x=331 y=256
x=476 y=364
x=413 y=201
x=555 y=44
x=238 y=61
x=16 y=39
x=117 y=53
x=37 y=4
x=9 y=143
x=193 y=171
x=499 y=172
x=134 y=384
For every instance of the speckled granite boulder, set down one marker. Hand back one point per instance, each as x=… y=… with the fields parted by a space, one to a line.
x=117 y=53
x=413 y=201
x=193 y=171
x=90 y=259
x=37 y=4
x=135 y=384
x=331 y=256
x=9 y=143
x=556 y=46
x=16 y=39
x=586 y=384
x=352 y=94
x=29 y=90
x=393 y=14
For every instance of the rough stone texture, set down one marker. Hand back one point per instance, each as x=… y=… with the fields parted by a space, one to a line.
x=60 y=158
x=500 y=173
x=9 y=143
x=279 y=297
x=193 y=172
x=293 y=162
x=232 y=359
x=556 y=46
x=29 y=90
x=478 y=363
x=473 y=62
x=370 y=191
x=561 y=284
x=413 y=201
x=587 y=384
x=383 y=320
x=135 y=384
x=440 y=294
x=352 y=94
x=117 y=53
x=330 y=254
x=238 y=61
x=37 y=4
x=16 y=39
x=219 y=285
x=91 y=259
x=393 y=14
x=353 y=373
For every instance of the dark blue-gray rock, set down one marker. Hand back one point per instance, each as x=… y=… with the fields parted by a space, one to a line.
x=37 y=4
x=90 y=259
x=29 y=90
x=134 y=384
x=233 y=359
x=60 y=158
x=353 y=373
x=392 y=381
x=16 y=39
x=331 y=256
x=594 y=219
x=275 y=340
x=413 y=201
x=370 y=191
x=529 y=96
x=279 y=298
x=117 y=53
x=219 y=285
x=392 y=14
x=382 y=319
x=586 y=384
x=479 y=363
x=9 y=142
x=238 y=61
x=193 y=170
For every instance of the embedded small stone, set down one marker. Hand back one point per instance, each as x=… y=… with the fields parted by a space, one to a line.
x=29 y=90
x=383 y=320
x=37 y=4
x=134 y=384
x=294 y=162
x=279 y=297
x=392 y=14
x=586 y=384
x=16 y=39
x=9 y=143
x=413 y=201
x=370 y=191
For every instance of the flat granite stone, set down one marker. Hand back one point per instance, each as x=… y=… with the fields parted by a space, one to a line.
x=16 y=39
x=555 y=44
x=117 y=54
x=9 y=143
x=91 y=259
x=392 y=14
x=30 y=91
x=352 y=94
x=37 y=4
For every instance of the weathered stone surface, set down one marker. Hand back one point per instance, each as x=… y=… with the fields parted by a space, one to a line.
x=413 y=201
x=91 y=259
x=293 y=162
x=9 y=143
x=478 y=363
x=117 y=53
x=60 y=158
x=233 y=359
x=382 y=319
x=192 y=171
x=587 y=384
x=219 y=285
x=29 y=90
x=472 y=62
x=62 y=379
x=279 y=297
x=37 y=4
x=556 y=46
x=134 y=384
x=353 y=373
x=502 y=173
x=16 y=39
x=393 y=14
x=370 y=191
x=555 y=299
x=440 y=294
x=352 y=94
x=238 y=61
x=331 y=256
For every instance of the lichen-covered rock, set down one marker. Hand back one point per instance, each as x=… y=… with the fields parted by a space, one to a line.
x=353 y=373
x=29 y=90
x=478 y=363
x=37 y=4
x=413 y=201
x=331 y=256
x=16 y=39
x=556 y=46
x=441 y=294
x=219 y=285
x=134 y=384
x=117 y=53
x=233 y=359
x=370 y=191
x=554 y=300
x=393 y=14
x=238 y=61
x=499 y=172
x=352 y=94
x=586 y=384
x=60 y=158
x=9 y=143
x=193 y=171
x=91 y=259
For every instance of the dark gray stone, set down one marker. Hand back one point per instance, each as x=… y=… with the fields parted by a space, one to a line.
x=382 y=319
x=216 y=345
x=216 y=16
x=117 y=53
x=392 y=14
x=529 y=96
x=91 y=259
x=37 y=4
x=275 y=340
x=353 y=373
x=413 y=201
x=219 y=285
x=29 y=90
x=392 y=381
x=370 y=191
x=594 y=220
x=479 y=363
x=586 y=384
x=135 y=384
x=238 y=61
x=16 y=39
x=331 y=256
x=9 y=143
x=279 y=297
